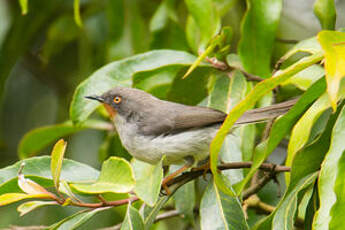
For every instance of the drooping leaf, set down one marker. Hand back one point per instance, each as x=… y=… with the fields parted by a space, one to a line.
x=325 y=12
x=56 y=161
x=119 y=73
x=76 y=220
x=283 y=215
x=206 y=18
x=116 y=176
x=148 y=179
x=39 y=169
x=285 y=212
x=39 y=138
x=30 y=187
x=32 y=205
x=258 y=35
x=330 y=191
x=220 y=211
x=133 y=220
x=301 y=131
x=249 y=101
x=333 y=45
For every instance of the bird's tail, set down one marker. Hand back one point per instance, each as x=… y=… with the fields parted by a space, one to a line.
x=265 y=113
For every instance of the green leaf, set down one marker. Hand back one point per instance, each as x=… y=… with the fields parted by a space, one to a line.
x=325 y=12
x=305 y=78
x=284 y=214
x=330 y=187
x=39 y=138
x=150 y=213
x=77 y=17
x=258 y=29
x=301 y=131
x=76 y=220
x=281 y=128
x=56 y=161
x=184 y=199
x=220 y=211
x=116 y=176
x=248 y=102
x=32 y=205
x=10 y=198
x=333 y=45
x=148 y=179
x=119 y=73
x=133 y=220
x=24 y=6
x=39 y=168
x=206 y=18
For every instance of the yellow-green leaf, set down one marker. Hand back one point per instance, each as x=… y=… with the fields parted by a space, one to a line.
x=10 y=198
x=24 y=6
x=116 y=176
x=56 y=162
x=333 y=44
x=77 y=16
x=32 y=205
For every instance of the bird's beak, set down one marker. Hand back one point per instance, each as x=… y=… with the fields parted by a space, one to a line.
x=95 y=97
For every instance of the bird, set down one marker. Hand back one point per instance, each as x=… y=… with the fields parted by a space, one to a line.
x=150 y=128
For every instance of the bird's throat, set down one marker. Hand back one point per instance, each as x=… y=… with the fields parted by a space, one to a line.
x=110 y=110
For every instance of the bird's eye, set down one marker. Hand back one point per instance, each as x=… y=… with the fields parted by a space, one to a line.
x=117 y=99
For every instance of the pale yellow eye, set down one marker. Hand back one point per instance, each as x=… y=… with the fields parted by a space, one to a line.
x=117 y=99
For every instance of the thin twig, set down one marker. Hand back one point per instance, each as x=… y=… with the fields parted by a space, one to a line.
x=288 y=41
x=254 y=188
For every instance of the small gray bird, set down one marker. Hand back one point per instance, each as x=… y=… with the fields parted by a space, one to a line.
x=150 y=128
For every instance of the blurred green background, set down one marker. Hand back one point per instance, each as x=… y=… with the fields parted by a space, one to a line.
x=44 y=55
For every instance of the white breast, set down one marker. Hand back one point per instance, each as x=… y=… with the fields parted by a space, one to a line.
x=175 y=147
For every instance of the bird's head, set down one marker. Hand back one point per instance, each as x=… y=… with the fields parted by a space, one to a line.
x=124 y=101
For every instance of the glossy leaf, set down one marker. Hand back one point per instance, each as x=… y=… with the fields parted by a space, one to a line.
x=285 y=212
x=281 y=127
x=150 y=213
x=206 y=18
x=330 y=185
x=184 y=199
x=133 y=220
x=32 y=205
x=304 y=79
x=325 y=12
x=39 y=168
x=220 y=211
x=9 y=198
x=248 y=102
x=76 y=220
x=259 y=28
x=310 y=45
x=283 y=215
x=119 y=73
x=39 y=138
x=56 y=161
x=116 y=176
x=333 y=45
x=301 y=131
x=148 y=179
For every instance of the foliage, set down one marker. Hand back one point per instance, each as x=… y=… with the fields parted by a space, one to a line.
x=186 y=52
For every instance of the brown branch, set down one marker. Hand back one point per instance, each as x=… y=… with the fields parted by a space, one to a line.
x=288 y=41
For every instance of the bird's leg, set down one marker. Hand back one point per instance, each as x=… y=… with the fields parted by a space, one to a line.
x=189 y=163
x=205 y=167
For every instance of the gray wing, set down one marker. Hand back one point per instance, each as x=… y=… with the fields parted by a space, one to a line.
x=179 y=117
